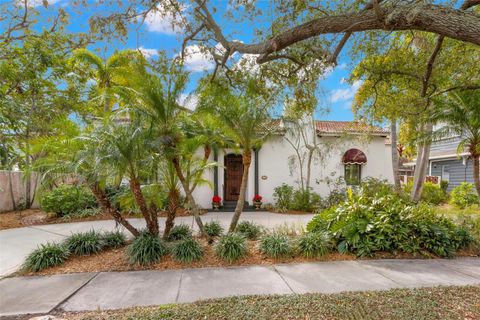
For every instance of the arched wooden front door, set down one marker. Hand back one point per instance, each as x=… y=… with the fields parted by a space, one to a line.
x=233 y=176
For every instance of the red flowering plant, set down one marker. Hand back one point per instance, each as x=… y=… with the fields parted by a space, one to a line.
x=216 y=199
x=257 y=198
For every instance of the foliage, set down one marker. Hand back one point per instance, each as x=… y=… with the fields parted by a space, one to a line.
x=431 y=193
x=45 y=256
x=113 y=239
x=231 y=247
x=187 y=250
x=463 y=196
x=249 y=229
x=287 y=198
x=84 y=243
x=67 y=199
x=146 y=249
x=276 y=246
x=366 y=224
x=153 y=193
x=82 y=214
x=314 y=244
x=213 y=229
x=282 y=196
x=115 y=192
x=180 y=232
x=444 y=185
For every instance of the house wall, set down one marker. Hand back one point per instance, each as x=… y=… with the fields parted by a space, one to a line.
x=459 y=172
x=275 y=166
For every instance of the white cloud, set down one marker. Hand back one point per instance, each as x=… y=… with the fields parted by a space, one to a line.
x=148 y=53
x=163 y=21
x=189 y=101
x=198 y=59
x=345 y=94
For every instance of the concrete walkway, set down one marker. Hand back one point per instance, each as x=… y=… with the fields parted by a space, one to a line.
x=16 y=244
x=116 y=290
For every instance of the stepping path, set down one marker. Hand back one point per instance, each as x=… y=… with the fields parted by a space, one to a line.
x=16 y=244
x=115 y=290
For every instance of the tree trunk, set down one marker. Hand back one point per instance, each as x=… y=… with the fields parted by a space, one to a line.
x=12 y=195
x=28 y=183
x=173 y=203
x=247 y=160
x=140 y=200
x=188 y=193
x=107 y=207
x=476 y=173
x=421 y=165
x=395 y=156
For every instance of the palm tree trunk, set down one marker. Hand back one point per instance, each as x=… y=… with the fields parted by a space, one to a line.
x=395 y=157
x=107 y=207
x=12 y=195
x=421 y=165
x=173 y=202
x=247 y=159
x=142 y=204
x=476 y=173
x=188 y=193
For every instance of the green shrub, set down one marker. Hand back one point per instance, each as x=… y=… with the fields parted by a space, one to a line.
x=84 y=243
x=334 y=198
x=463 y=195
x=276 y=246
x=433 y=194
x=249 y=230
x=45 y=256
x=213 y=229
x=113 y=239
x=67 y=199
x=283 y=196
x=146 y=249
x=231 y=247
x=153 y=194
x=444 y=185
x=313 y=244
x=305 y=200
x=372 y=187
x=180 y=232
x=366 y=224
x=84 y=213
x=187 y=250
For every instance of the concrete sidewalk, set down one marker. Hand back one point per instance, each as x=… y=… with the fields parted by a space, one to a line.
x=16 y=244
x=115 y=290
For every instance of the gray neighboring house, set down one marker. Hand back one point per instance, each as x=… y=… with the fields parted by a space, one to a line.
x=446 y=163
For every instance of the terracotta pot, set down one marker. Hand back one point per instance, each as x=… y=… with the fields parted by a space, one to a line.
x=257 y=205
x=216 y=205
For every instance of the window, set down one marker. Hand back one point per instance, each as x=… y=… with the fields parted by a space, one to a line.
x=353 y=174
x=445 y=173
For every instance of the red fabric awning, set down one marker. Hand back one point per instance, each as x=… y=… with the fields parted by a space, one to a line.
x=354 y=156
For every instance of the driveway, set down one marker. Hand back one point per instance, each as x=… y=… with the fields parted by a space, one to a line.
x=117 y=290
x=16 y=244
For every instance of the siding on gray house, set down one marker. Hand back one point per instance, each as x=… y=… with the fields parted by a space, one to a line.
x=445 y=144
x=453 y=170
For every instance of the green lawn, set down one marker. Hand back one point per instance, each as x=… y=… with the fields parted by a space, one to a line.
x=427 y=303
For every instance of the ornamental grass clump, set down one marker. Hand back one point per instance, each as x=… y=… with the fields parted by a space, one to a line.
x=213 y=229
x=180 y=232
x=313 y=244
x=113 y=239
x=276 y=246
x=146 y=249
x=84 y=243
x=249 y=229
x=231 y=247
x=45 y=256
x=187 y=250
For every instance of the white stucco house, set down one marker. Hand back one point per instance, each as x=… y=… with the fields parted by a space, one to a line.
x=348 y=150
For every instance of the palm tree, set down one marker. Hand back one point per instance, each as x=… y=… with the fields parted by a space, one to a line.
x=110 y=76
x=78 y=157
x=244 y=119
x=128 y=148
x=461 y=112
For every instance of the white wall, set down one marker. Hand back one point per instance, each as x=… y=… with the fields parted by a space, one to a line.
x=274 y=166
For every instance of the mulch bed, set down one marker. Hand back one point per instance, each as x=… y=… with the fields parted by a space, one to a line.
x=33 y=217
x=117 y=260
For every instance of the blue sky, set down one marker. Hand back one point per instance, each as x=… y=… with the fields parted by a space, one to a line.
x=157 y=34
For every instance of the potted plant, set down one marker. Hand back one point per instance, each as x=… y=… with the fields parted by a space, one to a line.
x=216 y=202
x=257 y=201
